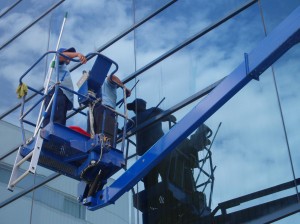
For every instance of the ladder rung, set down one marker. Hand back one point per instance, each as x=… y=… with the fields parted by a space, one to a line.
x=19 y=178
x=24 y=159
x=17 y=173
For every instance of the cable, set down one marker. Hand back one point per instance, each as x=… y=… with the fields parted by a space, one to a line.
x=135 y=93
x=280 y=108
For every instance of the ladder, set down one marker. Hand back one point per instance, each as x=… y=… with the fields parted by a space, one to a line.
x=17 y=172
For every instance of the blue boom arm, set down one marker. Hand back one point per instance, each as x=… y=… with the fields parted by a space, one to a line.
x=286 y=35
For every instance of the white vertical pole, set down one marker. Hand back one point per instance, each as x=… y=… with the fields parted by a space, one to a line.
x=48 y=76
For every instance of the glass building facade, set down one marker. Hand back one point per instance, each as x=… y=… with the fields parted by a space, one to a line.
x=177 y=56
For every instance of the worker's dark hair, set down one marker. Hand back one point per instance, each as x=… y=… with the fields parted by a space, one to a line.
x=137 y=104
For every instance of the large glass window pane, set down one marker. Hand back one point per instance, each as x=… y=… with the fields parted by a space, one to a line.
x=253 y=139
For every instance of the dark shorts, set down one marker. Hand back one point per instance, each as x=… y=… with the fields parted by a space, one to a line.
x=109 y=126
x=60 y=112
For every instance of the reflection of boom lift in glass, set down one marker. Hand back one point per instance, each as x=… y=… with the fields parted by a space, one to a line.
x=187 y=173
x=286 y=35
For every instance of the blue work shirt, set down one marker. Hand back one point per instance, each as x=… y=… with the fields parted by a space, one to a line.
x=109 y=93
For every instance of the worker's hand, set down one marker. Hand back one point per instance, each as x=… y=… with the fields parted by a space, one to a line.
x=128 y=92
x=172 y=118
x=82 y=58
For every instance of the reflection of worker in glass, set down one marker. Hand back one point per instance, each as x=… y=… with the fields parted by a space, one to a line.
x=147 y=137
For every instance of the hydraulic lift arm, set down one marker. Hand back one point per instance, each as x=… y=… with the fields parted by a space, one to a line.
x=286 y=35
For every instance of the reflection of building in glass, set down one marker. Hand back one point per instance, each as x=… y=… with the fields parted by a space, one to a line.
x=179 y=52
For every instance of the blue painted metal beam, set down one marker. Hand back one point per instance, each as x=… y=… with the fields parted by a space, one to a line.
x=277 y=215
x=286 y=35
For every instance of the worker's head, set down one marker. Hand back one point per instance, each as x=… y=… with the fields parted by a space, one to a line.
x=137 y=105
x=62 y=50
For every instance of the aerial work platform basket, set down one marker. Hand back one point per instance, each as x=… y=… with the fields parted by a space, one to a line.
x=72 y=151
x=74 y=154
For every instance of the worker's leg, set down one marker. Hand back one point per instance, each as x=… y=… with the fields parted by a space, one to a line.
x=151 y=201
x=60 y=116
x=60 y=109
x=98 y=118
x=151 y=179
x=107 y=126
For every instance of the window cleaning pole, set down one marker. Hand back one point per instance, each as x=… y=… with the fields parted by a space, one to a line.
x=48 y=77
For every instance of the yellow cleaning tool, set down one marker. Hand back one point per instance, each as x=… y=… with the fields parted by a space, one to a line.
x=22 y=90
